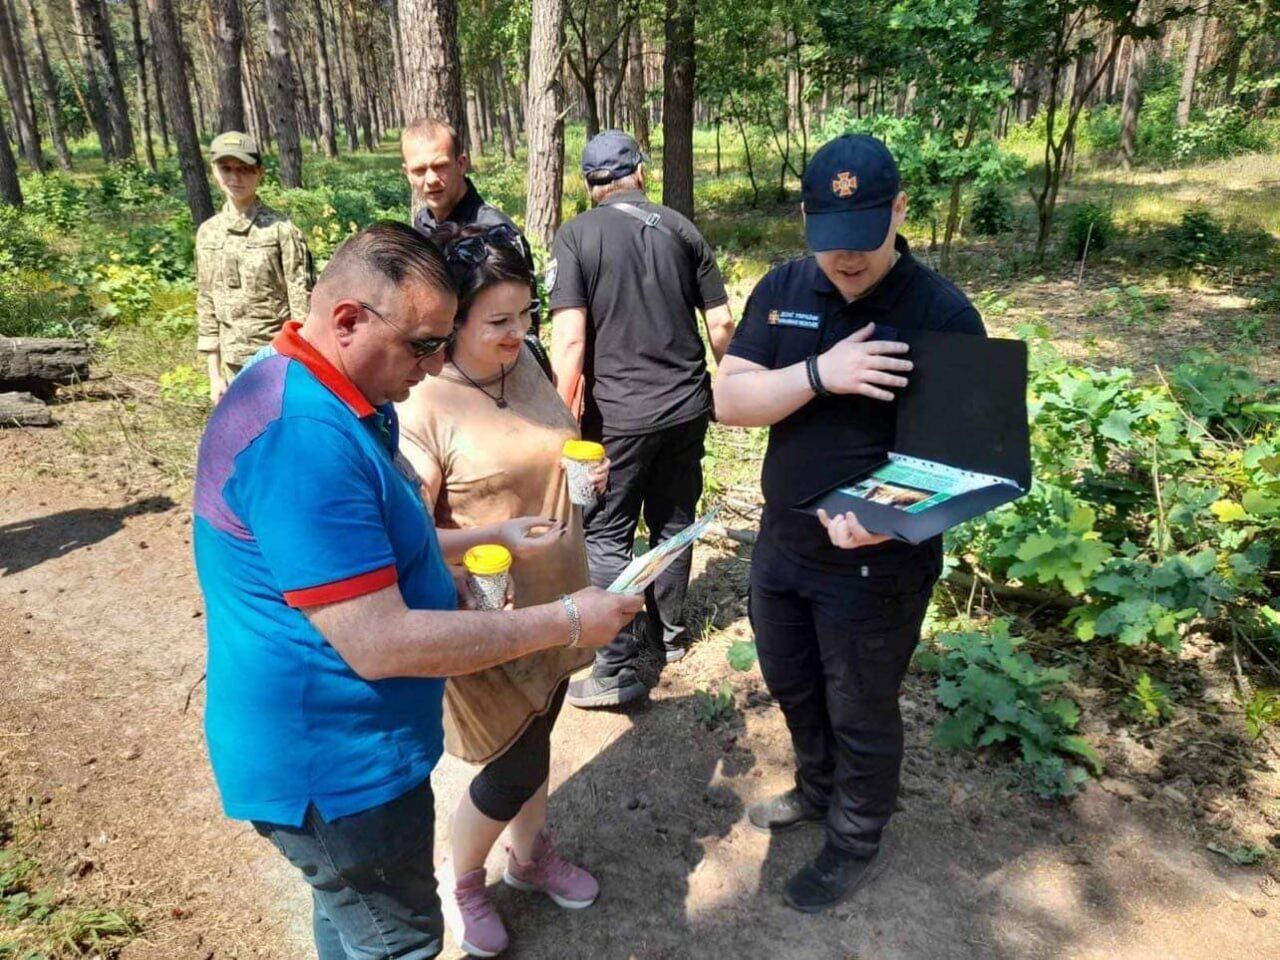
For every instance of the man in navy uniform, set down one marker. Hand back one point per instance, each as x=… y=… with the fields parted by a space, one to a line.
x=836 y=610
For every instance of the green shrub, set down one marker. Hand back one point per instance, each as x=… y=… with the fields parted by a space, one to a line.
x=21 y=247
x=185 y=384
x=168 y=249
x=128 y=290
x=1149 y=702
x=127 y=186
x=1088 y=224
x=997 y=694
x=54 y=198
x=991 y=210
x=1221 y=132
x=1199 y=242
x=32 y=306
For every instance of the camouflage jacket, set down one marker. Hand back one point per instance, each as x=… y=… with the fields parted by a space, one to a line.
x=252 y=274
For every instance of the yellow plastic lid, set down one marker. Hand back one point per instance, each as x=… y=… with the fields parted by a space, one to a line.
x=583 y=450
x=487 y=558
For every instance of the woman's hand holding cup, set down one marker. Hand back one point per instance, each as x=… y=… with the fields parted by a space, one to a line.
x=525 y=536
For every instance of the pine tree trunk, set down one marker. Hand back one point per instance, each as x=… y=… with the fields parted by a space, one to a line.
x=344 y=78
x=284 y=94
x=677 y=108
x=10 y=189
x=545 y=122
x=397 y=58
x=475 y=134
x=144 y=92
x=104 y=49
x=1131 y=106
x=162 y=115
x=228 y=25
x=1191 y=67
x=328 y=117
x=636 y=88
x=96 y=106
x=506 y=118
x=432 y=63
x=49 y=85
x=173 y=80
x=15 y=87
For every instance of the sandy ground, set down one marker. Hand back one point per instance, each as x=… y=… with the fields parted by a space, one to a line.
x=102 y=644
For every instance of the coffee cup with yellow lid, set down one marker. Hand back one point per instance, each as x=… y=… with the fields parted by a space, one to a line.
x=579 y=458
x=488 y=575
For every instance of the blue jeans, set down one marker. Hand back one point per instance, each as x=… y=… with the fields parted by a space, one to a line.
x=373 y=884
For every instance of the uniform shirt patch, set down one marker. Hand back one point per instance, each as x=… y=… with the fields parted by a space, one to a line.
x=552 y=269
x=794 y=318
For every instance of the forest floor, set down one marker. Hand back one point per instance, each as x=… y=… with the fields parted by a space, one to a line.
x=105 y=783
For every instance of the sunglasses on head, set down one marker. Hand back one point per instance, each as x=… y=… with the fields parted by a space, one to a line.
x=475 y=250
x=422 y=347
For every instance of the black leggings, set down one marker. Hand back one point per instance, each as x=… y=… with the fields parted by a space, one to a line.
x=508 y=781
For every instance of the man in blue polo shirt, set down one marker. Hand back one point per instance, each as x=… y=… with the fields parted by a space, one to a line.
x=331 y=613
x=836 y=610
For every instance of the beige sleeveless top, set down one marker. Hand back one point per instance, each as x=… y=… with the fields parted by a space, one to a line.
x=496 y=464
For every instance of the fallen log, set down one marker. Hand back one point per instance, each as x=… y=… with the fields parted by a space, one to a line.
x=39 y=365
x=23 y=410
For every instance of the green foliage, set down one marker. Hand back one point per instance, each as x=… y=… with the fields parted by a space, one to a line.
x=1087 y=224
x=1137 y=602
x=1131 y=305
x=55 y=198
x=742 y=655
x=38 y=925
x=127 y=186
x=34 y=305
x=1217 y=392
x=185 y=384
x=991 y=210
x=713 y=707
x=997 y=694
x=168 y=248
x=1261 y=711
x=20 y=245
x=1199 y=242
x=1149 y=702
x=128 y=291
x=1221 y=132
x=1245 y=855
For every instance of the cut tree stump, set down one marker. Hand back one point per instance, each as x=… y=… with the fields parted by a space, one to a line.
x=39 y=365
x=23 y=410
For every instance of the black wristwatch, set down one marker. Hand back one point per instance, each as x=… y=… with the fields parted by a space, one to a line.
x=815 y=381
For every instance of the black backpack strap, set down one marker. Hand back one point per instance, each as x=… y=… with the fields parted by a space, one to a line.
x=649 y=220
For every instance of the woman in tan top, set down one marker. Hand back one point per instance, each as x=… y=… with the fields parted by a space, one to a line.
x=486 y=437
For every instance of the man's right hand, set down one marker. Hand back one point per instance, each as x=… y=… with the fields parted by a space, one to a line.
x=858 y=364
x=604 y=614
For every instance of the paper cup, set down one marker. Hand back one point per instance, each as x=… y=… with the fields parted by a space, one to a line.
x=488 y=575
x=579 y=456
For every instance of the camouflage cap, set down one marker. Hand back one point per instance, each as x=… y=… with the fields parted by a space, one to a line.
x=241 y=146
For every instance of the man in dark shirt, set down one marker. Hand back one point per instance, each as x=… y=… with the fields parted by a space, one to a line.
x=626 y=282
x=443 y=193
x=836 y=610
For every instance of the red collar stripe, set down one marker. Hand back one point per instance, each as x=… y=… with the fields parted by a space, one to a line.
x=290 y=343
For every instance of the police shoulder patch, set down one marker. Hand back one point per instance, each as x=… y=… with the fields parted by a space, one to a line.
x=553 y=268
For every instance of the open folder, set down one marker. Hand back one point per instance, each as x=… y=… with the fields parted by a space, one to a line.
x=962 y=443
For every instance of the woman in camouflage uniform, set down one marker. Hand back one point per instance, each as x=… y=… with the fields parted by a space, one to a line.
x=253 y=270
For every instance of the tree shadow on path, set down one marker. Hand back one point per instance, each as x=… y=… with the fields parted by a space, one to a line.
x=28 y=543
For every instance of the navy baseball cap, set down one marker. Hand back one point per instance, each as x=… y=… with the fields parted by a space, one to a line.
x=611 y=155
x=848 y=190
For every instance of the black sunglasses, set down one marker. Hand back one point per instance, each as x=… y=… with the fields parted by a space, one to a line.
x=475 y=250
x=421 y=348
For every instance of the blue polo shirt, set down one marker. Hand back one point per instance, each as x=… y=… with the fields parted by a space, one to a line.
x=795 y=311
x=303 y=499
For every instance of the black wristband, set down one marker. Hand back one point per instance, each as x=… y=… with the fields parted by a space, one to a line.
x=815 y=381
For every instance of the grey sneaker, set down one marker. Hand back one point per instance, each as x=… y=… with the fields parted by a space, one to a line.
x=675 y=652
x=593 y=691
x=784 y=812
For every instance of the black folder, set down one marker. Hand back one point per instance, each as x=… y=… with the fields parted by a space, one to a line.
x=962 y=444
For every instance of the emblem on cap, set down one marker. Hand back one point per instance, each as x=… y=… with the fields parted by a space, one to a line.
x=844 y=184
x=773 y=318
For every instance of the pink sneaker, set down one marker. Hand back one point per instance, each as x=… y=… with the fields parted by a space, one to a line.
x=475 y=924
x=549 y=873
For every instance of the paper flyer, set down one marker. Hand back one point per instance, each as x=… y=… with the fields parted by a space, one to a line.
x=644 y=569
x=913 y=486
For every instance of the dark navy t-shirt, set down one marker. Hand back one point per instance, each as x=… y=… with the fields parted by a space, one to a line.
x=795 y=311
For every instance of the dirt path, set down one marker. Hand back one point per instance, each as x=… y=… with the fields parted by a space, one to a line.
x=101 y=642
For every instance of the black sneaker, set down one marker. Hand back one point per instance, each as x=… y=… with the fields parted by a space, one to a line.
x=832 y=877
x=783 y=812
x=592 y=691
